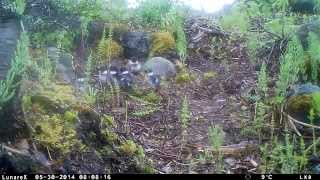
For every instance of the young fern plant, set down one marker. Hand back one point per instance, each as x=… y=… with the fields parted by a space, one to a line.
x=292 y=66
x=174 y=22
x=314 y=119
x=18 y=67
x=281 y=5
x=88 y=70
x=216 y=138
x=263 y=81
x=314 y=46
x=184 y=118
x=45 y=70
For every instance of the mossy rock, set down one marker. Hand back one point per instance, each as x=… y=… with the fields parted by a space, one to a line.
x=55 y=98
x=300 y=102
x=52 y=115
x=209 y=75
x=162 y=43
x=55 y=133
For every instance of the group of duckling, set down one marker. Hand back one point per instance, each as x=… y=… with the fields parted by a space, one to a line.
x=154 y=71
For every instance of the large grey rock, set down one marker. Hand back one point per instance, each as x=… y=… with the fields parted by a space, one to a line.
x=136 y=45
x=160 y=66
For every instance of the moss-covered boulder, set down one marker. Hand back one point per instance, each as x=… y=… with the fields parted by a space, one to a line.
x=301 y=101
x=52 y=115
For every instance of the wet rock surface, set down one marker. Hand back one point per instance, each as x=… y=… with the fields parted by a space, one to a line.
x=136 y=45
x=9 y=33
x=305 y=29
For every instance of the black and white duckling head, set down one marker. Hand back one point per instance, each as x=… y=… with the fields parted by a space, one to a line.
x=125 y=79
x=134 y=66
x=153 y=79
x=108 y=76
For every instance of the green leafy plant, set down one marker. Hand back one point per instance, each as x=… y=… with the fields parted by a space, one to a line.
x=19 y=6
x=281 y=5
x=283 y=158
x=168 y=15
x=153 y=13
x=18 y=67
x=235 y=21
x=88 y=70
x=184 y=118
x=314 y=46
x=184 y=114
x=263 y=81
x=45 y=70
x=216 y=138
x=291 y=66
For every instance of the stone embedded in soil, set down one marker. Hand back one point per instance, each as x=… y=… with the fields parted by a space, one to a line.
x=230 y=161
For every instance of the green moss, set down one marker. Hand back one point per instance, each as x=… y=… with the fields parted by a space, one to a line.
x=52 y=133
x=162 y=42
x=107 y=151
x=209 y=75
x=183 y=76
x=148 y=169
x=59 y=93
x=108 y=121
x=110 y=136
x=50 y=112
x=26 y=103
x=70 y=117
x=108 y=49
x=140 y=152
x=129 y=147
x=300 y=103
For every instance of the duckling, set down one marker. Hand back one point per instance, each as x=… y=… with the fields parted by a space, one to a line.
x=125 y=78
x=154 y=80
x=134 y=66
x=108 y=76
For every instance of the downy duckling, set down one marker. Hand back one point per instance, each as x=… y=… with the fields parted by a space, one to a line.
x=108 y=77
x=134 y=66
x=125 y=79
